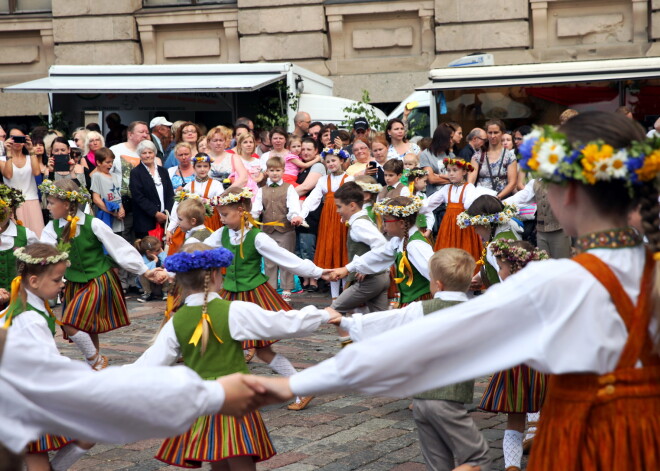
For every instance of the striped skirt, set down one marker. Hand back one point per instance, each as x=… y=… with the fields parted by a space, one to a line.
x=46 y=443
x=518 y=390
x=216 y=438
x=264 y=296
x=96 y=306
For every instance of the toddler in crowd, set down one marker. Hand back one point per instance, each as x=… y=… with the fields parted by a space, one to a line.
x=153 y=256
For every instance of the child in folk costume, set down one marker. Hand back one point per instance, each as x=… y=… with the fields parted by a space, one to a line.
x=12 y=236
x=591 y=322
x=521 y=389
x=458 y=196
x=408 y=250
x=40 y=270
x=208 y=331
x=448 y=436
x=331 y=241
x=393 y=171
x=93 y=301
x=278 y=202
x=244 y=280
x=202 y=186
x=370 y=189
x=418 y=178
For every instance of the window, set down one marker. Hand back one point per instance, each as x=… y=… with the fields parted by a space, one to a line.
x=25 y=6
x=160 y=3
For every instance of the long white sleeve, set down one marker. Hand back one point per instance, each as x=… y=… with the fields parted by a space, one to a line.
x=367 y=233
x=248 y=321
x=419 y=254
x=292 y=203
x=524 y=196
x=315 y=197
x=121 y=251
x=364 y=326
x=258 y=204
x=269 y=249
x=48 y=235
x=554 y=333
x=215 y=239
x=164 y=352
x=378 y=259
x=174 y=218
x=45 y=392
x=436 y=199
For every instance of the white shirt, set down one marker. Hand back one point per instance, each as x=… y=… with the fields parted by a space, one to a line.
x=121 y=251
x=315 y=196
x=552 y=315
x=247 y=321
x=196 y=188
x=292 y=201
x=366 y=232
x=119 y=150
x=380 y=258
x=430 y=218
x=158 y=182
x=405 y=191
x=7 y=237
x=524 y=196
x=443 y=195
x=269 y=249
x=45 y=392
x=364 y=326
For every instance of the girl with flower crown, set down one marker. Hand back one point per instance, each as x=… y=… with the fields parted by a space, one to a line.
x=12 y=236
x=93 y=300
x=40 y=270
x=370 y=188
x=408 y=250
x=458 y=196
x=244 y=280
x=418 y=178
x=207 y=330
x=592 y=322
x=203 y=187
x=331 y=242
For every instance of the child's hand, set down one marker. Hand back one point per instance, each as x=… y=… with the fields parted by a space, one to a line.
x=121 y=214
x=168 y=238
x=336 y=274
x=475 y=284
x=243 y=394
x=296 y=221
x=277 y=389
x=4 y=296
x=156 y=275
x=335 y=316
x=359 y=277
x=426 y=233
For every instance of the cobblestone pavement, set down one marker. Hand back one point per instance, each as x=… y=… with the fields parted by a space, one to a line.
x=336 y=432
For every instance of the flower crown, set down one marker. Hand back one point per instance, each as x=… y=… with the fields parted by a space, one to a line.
x=382 y=208
x=199 y=260
x=341 y=153
x=201 y=157
x=417 y=173
x=546 y=153
x=518 y=257
x=80 y=196
x=10 y=197
x=183 y=195
x=231 y=198
x=29 y=259
x=464 y=220
x=370 y=187
x=460 y=163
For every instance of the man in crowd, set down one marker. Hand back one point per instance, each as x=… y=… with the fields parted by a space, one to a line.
x=314 y=130
x=475 y=141
x=302 y=120
x=161 y=134
x=117 y=130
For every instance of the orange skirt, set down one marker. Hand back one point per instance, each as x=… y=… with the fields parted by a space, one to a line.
x=178 y=238
x=331 y=248
x=213 y=222
x=452 y=236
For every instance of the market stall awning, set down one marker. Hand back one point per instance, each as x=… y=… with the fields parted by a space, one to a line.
x=540 y=74
x=154 y=79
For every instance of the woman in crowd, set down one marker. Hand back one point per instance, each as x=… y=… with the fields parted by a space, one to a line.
x=152 y=193
x=431 y=159
x=183 y=173
x=395 y=133
x=187 y=132
x=245 y=150
x=93 y=142
x=379 y=146
x=363 y=159
x=495 y=167
x=325 y=139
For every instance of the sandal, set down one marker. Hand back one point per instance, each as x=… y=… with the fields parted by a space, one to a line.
x=345 y=343
x=300 y=405
x=250 y=354
x=100 y=363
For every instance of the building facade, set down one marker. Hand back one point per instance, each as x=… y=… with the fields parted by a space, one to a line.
x=384 y=46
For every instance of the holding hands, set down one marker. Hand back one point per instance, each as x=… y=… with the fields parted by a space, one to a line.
x=335 y=274
x=335 y=316
x=296 y=221
x=157 y=275
x=246 y=393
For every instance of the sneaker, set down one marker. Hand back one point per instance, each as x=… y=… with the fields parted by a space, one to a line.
x=144 y=298
x=286 y=295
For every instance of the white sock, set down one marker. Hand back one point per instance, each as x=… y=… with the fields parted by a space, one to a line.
x=65 y=457
x=531 y=429
x=512 y=448
x=282 y=366
x=334 y=289
x=84 y=343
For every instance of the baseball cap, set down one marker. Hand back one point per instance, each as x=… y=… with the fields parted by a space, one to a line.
x=361 y=123
x=159 y=121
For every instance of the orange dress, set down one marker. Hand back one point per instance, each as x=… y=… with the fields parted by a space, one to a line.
x=610 y=422
x=452 y=236
x=331 y=248
x=212 y=222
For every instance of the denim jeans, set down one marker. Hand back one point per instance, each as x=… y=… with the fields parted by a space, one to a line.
x=305 y=245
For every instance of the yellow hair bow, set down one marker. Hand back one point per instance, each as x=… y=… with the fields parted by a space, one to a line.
x=404 y=265
x=199 y=330
x=169 y=306
x=15 y=287
x=74 y=223
x=247 y=218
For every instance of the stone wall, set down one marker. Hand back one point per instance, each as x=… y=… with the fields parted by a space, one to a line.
x=385 y=46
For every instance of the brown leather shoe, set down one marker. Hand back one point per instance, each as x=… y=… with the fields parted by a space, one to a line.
x=250 y=355
x=304 y=402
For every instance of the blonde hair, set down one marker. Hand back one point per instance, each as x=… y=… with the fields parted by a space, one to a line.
x=192 y=208
x=275 y=162
x=567 y=114
x=239 y=143
x=454 y=268
x=413 y=157
x=183 y=144
x=68 y=184
x=224 y=131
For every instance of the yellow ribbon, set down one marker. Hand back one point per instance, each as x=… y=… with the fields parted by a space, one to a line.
x=197 y=334
x=404 y=265
x=169 y=306
x=51 y=313
x=19 y=222
x=482 y=260
x=411 y=186
x=15 y=287
x=656 y=256
x=74 y=223
x=247 y=217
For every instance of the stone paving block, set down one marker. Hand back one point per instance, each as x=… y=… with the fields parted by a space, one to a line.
x=144 y=444
x=298 y=467
x=409 y=467
x=118 y=454
x=286 y=444
x=383 y=434
x=408 y=424
x=310 y=433
x=323 y=459
x=355 y=460
x=152 y=465
x=282 y=459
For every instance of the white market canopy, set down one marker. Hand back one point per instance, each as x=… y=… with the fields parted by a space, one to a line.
x=215 y=78
x=541 y=74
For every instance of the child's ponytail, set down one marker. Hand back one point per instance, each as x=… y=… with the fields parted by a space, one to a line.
x=205 y=323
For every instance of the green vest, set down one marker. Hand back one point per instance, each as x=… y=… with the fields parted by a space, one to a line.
x=17 y=308
x=86 y=254
x=420 y=285
x=459 y=392
x=220 y=359
x=8 y=260
x=244 y=274
x=357 y=248
x=491 y=272
x=370 y=212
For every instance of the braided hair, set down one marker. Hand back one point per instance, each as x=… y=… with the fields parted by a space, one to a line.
x=68 y=185
x=408 y=221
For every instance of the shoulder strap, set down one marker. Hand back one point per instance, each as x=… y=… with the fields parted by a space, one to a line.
x=330 y=183
x=208 y=188
x=460 y=198
x=636 y=318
